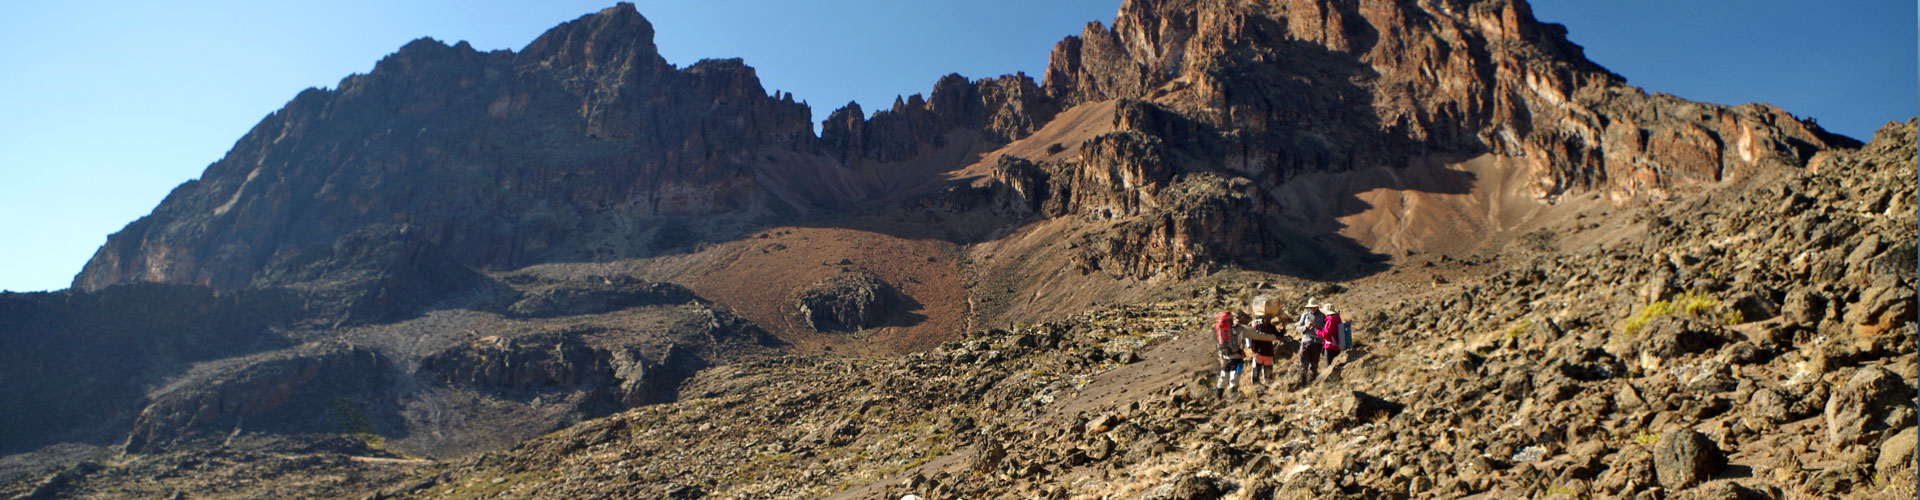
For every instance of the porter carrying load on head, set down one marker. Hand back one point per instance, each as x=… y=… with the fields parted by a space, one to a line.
x=1262 y=342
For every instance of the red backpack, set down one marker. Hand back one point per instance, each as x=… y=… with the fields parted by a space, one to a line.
x=1223 y=328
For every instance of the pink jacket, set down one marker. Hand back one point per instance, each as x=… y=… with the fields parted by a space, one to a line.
x=1330 y=331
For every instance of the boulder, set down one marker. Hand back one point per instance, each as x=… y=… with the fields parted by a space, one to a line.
x=594 y=295
x=1895 y=463
x=1837 y=480
x=1359 y=406
x=1858 y=411
x=1753 y=307
x=1669 y=337
x=1770 y=406
x=1880 y=310
x=845 y=302
x=1190 y=487
x=1685 y=457
x=987 y=458
x=1805 y=306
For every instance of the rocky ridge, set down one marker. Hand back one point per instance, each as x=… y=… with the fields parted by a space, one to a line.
x=1549 y=370
x=1570 y=365
x=492 y=246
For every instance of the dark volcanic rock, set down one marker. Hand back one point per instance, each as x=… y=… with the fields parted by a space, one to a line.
x=77 y=366
x=1685 y=457
x=329 y=387
x=496 y=158
x=846 y=302
x=378 y=273
x=1673 y=336
x=594 y=295
x=585 y=145
x=520 y=365
x=1001 y=109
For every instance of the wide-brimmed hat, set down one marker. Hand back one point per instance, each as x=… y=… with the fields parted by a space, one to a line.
x=1313 y=302
x=1327 y=307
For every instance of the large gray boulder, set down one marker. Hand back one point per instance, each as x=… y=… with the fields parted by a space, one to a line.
x=1685 y=458
x=1859 y=411
x=846 y=302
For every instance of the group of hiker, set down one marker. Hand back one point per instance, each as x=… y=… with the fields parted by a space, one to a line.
x=1249 y=341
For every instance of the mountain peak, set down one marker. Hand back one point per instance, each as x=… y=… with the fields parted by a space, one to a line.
x=602 y=33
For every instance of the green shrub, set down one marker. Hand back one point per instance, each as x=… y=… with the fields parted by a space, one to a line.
x=1696 y=303
x=1693 y=303
x=1639 y=320
x=1517 y=329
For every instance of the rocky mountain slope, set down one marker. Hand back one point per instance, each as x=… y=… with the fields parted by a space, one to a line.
x=1717 y=347
x=578 y=270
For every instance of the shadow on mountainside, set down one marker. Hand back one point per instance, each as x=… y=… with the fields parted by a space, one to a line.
x=78 y=366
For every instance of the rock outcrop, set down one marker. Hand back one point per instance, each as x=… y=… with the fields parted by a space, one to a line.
x=563 y=366
x=432 y=258
x=316 y=388
x=1257 y=95
x=594 y=295
x=1000 y=109
x=1870 y=404
x=77 y=367
x=845 y=302
x=585 y=145
x=1308 y=85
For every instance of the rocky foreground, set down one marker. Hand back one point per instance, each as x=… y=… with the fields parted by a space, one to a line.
x=1755 y=341
x=577 y=270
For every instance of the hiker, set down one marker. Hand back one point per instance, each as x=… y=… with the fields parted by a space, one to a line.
x=1310 y=344
x=1330 y=333
x=1262 y=348
x=1228 y=345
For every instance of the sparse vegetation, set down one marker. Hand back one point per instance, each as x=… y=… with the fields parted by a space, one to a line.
x=1639 y=320
x=1696 y=303
x=351 y=422
x=1692 y=302
x=1517 y=329
x=1563 y=490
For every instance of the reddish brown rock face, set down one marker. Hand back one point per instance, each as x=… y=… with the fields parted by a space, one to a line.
x=1314 y=85
x=1271 y=92
x=588 y=146
x=462 y=251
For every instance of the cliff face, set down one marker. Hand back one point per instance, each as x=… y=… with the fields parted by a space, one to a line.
x=588 y=146
x=462 y=251
x=1310 y=84
x=1267 y=92
x=583 y=146
x=500 y=157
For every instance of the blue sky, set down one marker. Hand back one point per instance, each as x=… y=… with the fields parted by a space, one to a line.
x=106 y=106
